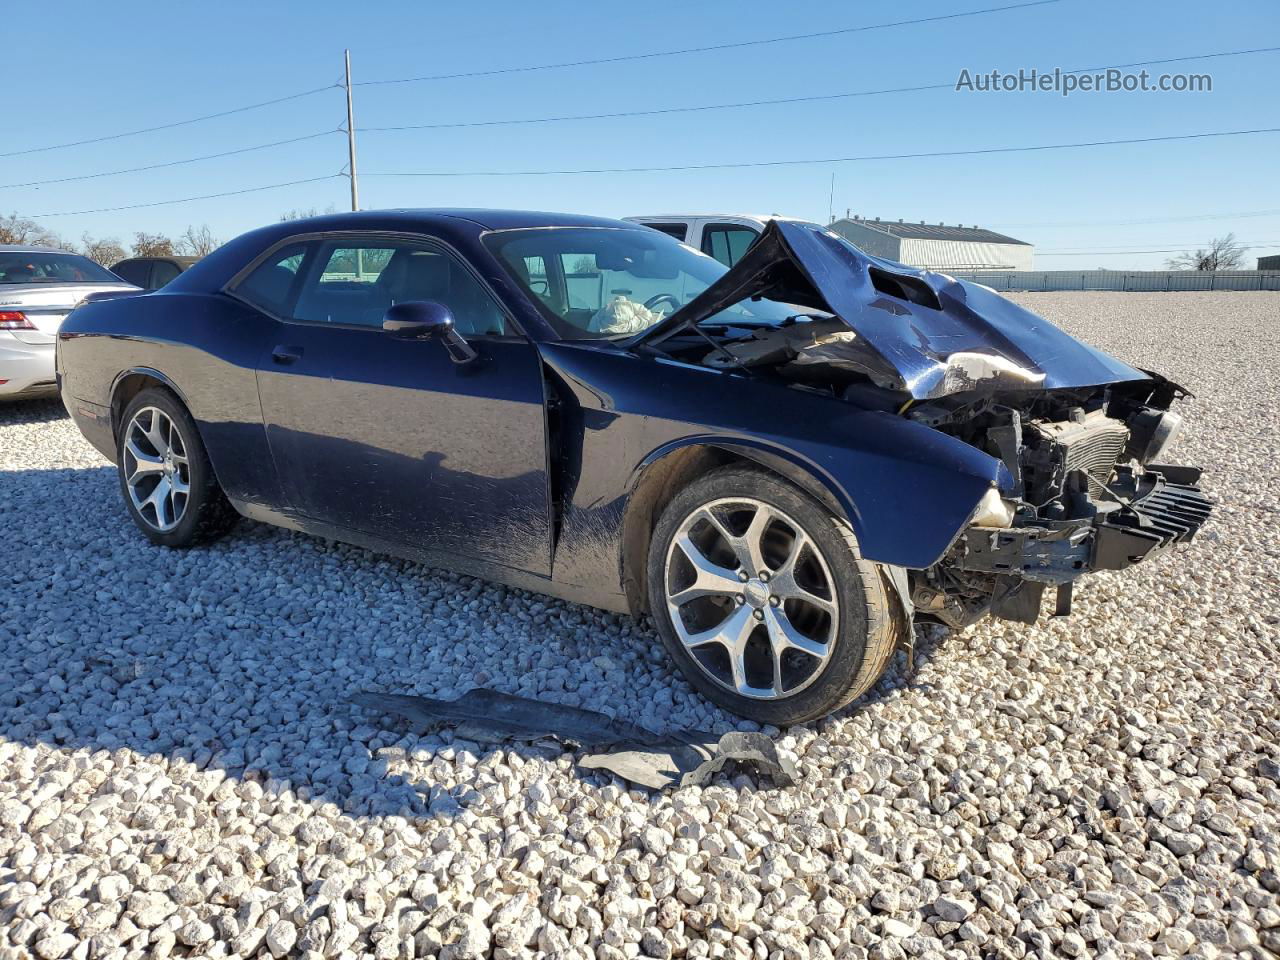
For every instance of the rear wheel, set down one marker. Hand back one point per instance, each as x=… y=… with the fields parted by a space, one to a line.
x=165 y=476
x=763 y=601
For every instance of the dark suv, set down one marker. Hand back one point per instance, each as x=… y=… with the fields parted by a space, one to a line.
x=151 y=273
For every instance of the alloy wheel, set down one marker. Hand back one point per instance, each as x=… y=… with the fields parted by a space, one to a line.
x=751 y=598
x=156 y=471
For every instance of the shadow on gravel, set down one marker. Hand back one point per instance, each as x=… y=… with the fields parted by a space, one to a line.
x=32 y=411
x=243 y=656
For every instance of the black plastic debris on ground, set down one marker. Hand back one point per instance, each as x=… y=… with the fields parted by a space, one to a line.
x=637 y=755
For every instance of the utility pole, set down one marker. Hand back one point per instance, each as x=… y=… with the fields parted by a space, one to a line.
x=831 y=197
x=351 y=140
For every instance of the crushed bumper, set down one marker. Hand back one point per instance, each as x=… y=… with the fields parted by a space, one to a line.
x=1169 y=509
x=1165 y=508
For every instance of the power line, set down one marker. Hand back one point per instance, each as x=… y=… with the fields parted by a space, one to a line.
x=1064 y=251
x=600 y=116
x=950 y=85
x=1127 y=223
x=705 y=49
x=1112 y=253
x=820 y=160
x=168 y=126
x=207 y=196
x=170 y=163
x=654 y=112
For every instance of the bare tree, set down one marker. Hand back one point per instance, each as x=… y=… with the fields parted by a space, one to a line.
x=106 y=251
x=16 y=229
x=1223 y=253
x=152 y=245
x=300 y=214
x=198 y=241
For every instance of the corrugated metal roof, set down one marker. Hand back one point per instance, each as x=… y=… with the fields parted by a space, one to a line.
x=926 y=231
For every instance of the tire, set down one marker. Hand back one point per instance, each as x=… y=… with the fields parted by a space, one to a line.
x=828 y=610
x=158 y=435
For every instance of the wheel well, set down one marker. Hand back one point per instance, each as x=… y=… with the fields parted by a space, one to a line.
x=666 y=477
x=126 y=389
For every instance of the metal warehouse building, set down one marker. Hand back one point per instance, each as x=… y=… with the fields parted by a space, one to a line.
x=1269 y=263
x=936 y=247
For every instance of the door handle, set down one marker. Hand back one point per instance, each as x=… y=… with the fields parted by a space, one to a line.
x=285 y=353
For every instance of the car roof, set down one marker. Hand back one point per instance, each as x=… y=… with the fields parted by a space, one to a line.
x=32 y=248
x=761 y=217
x=183 y=259
x=481 y=217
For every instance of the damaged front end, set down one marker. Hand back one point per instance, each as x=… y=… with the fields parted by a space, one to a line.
x=1088 y=493
x=1081 y=434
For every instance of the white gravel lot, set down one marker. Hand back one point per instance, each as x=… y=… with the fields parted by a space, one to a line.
x=181 y=773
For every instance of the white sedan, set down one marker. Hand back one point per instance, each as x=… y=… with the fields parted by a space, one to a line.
x=38 y=287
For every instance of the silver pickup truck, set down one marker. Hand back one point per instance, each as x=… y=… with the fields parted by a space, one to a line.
x=723 y=236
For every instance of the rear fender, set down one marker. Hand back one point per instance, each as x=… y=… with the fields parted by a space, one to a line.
x=117 y=408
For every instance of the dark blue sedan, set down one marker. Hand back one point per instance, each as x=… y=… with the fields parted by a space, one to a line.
x=784 y=463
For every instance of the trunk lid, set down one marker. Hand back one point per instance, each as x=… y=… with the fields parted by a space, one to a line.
x=47 y=304
x=919 y=332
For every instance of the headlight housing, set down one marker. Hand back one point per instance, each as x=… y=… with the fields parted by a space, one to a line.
x=1151 y=432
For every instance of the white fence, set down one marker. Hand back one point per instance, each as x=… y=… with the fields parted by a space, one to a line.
x=1128 y=280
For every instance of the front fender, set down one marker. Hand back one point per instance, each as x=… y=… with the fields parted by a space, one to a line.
x=903 y=512
x=907 y=490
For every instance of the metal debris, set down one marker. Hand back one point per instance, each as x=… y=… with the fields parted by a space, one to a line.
x=490 y=715
x=690 y=759
x=684 y=758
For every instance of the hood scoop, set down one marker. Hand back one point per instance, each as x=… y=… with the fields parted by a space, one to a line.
x=922 y=333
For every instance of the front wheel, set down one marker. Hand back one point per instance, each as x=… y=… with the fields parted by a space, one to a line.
x=762 y=599
x=166 y=479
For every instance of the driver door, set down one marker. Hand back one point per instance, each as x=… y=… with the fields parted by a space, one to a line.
x=390 y=437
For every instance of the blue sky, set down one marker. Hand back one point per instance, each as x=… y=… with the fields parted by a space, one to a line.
x=113 y=67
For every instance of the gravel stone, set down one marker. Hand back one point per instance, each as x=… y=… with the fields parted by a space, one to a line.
x=954 y=909
x=281 y=937
x=181 y=771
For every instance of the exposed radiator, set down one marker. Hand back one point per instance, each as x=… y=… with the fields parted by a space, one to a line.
x=1093 y=445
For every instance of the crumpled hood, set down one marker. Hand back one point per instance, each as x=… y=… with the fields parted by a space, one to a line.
x=919 y=332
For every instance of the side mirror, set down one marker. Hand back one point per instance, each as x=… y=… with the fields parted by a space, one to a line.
x=417 y=320
x=427 y=320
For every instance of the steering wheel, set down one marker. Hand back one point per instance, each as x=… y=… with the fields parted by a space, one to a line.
x=663 y=298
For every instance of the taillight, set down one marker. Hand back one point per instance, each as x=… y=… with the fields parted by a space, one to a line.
x=14 y=320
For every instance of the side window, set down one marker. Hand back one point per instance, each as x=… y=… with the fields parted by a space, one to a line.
x=162 y=271
x=270 y=286
x=678 y=230
x=133 y=271
x=727 y=242
x=354 y=284
x=351 y=267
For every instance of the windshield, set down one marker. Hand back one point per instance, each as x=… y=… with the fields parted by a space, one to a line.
x=25 y=266
x=607 y=282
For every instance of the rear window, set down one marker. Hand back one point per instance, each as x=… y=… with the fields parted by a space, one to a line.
x=21 y=266
x=134 y=271
x=678 y=230
x=163 y=272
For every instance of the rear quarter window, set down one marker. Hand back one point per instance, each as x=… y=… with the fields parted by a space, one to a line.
x=272 y=284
